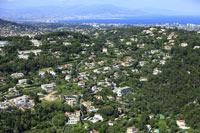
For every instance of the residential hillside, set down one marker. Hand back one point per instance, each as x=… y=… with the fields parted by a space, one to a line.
x=6 y=23
x=136 y=79
x=9 y=28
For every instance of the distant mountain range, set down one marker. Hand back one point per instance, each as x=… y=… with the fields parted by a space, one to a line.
x=78 y=12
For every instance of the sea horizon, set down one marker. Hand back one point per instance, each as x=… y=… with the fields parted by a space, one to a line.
x=139 y=20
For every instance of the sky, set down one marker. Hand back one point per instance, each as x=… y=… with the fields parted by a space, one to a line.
x=190 y=7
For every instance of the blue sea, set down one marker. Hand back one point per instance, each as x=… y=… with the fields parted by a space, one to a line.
x=141 y=20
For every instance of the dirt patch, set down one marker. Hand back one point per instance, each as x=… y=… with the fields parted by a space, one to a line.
x=50 y=97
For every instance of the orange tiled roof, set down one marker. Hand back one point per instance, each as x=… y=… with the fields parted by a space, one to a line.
x=181 y=120
x=131 y=127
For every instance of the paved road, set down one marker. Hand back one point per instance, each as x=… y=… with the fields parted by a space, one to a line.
x=76 y=69
x=80 y=104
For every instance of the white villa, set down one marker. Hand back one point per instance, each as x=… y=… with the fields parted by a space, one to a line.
x=71 y=99
x=3 y=43
x=74 y=117
x=122 y=91
x=104 y=50
x=17 y=75
x=25 y=52
x=181 y=124
x=183 y=44
x=48 y=87
x=36 y=43
x=68 y=77
x=131 y=130
x=97 y=118
x=22 y=81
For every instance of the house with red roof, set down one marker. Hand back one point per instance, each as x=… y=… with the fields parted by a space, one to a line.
x=81 y=83
x=181 y=124
x=131 y=129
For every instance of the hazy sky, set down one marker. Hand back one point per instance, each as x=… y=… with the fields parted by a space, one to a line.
x=185 y=6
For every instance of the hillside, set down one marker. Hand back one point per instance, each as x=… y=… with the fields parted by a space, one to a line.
x=142 y=77
x=11 y=28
